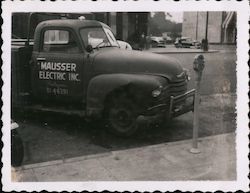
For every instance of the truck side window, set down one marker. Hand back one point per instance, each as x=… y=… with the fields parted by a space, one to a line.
x=59 y=41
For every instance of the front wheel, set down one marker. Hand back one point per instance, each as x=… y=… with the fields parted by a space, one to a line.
x=121 y=117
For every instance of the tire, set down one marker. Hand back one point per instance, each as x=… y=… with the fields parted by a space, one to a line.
x=17 y=149
x=121 y=117
x=154 y=44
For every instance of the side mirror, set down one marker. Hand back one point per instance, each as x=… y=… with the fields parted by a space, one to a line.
x=89 y=48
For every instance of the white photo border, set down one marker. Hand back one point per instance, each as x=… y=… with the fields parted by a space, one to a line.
x=242 y=140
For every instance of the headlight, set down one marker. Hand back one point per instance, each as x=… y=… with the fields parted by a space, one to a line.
x=157 y=92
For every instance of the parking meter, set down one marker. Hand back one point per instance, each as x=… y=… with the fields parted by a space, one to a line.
x=199 y=64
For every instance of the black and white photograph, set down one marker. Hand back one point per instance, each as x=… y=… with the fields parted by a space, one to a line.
x=101 y=98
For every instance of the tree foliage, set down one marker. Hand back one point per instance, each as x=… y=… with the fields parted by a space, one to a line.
x=158 y=24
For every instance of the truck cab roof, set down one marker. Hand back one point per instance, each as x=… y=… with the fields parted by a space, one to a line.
x=71 y=23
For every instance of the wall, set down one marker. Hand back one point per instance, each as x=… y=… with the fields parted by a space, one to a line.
x=194 y=26
x=214 y=27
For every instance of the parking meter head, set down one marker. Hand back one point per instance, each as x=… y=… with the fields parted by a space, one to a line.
x=199 y=64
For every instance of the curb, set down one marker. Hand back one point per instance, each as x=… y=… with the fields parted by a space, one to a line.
x=184 y=52
x=62 y=161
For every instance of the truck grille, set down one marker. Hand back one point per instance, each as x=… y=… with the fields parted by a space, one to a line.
x=173 y=89
x=178 y=87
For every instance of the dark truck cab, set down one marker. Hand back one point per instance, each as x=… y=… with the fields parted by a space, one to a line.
x=76 y=66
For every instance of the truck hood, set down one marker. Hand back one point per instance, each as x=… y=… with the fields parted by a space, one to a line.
x=111 y=60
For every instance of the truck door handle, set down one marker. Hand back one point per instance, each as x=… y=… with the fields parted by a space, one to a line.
x=41 y=59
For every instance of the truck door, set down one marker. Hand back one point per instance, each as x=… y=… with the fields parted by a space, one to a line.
x=58 y=67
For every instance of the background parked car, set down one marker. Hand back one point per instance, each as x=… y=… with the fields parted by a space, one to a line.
x=183 y=42
x=157 y=42
x=186 y=42
x=197 y=44
x=168 y=40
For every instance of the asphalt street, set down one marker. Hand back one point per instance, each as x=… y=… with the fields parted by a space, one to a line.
x=219 y=75
x=49 y=136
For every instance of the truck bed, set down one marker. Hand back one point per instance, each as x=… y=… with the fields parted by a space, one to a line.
x=20 y=43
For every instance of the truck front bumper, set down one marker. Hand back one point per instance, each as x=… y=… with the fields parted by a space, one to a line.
x=178 y=105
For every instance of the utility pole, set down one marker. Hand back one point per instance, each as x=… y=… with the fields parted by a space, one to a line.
x=196 y=32
x=206 y=40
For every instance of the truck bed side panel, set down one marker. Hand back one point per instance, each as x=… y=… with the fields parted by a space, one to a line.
x=20 y=74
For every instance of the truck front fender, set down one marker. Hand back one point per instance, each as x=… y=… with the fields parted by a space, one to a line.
x=137 y=86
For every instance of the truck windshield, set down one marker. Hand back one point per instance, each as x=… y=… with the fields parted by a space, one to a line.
x=98 y=37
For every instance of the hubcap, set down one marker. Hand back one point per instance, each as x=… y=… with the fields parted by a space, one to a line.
x=121 y=119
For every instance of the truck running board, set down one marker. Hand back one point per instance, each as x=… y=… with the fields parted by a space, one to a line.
x=40 y=108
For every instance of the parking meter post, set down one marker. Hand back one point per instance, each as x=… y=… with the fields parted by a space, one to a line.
x=194 y=148
x=198 y=68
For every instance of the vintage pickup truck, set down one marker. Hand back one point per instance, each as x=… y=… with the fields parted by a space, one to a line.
x=75 y=66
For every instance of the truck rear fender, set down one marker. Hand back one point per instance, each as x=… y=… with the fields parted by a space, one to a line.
x=102 y=88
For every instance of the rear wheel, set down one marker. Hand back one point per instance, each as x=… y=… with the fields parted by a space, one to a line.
x=17 y=149
x=121 y=117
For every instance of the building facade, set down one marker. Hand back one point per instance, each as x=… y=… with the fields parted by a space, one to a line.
x=127 y=26
x=220 y=26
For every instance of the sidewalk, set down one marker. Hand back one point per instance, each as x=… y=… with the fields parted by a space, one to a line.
x=163 y=162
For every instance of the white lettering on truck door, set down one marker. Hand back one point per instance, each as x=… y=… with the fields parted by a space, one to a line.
x=49 y=71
